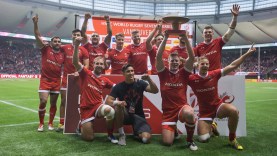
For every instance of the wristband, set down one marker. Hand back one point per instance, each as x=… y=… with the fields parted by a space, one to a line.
x=231 y=27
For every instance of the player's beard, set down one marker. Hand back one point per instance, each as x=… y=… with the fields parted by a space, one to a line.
x=98 y=70
x=56 y=48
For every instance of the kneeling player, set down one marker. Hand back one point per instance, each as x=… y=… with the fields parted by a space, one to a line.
x=92 y=85
x=129 y=107
x=205 y=87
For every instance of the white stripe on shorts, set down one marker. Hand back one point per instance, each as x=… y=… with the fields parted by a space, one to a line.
x=169 y=123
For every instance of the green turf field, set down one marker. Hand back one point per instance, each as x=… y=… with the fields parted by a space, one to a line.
x=19 y=121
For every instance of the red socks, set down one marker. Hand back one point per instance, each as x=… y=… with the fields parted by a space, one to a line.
x=62 y=121
x=52 y=111
x=41 y=114
x=232 y=136
x=190 y=130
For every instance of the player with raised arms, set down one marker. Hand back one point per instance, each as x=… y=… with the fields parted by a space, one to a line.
x=91 y=99
x=205 y=86
x=51 y=66
x=173 y=85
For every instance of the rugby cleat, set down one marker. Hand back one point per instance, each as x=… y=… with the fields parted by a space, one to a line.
x=214 y=129
x=60 y=128
x=177 y=136
x=236 y=144
x=192 y=146
x=40 y=128
x=50 y=127
x=122 y=140
x=112 y=139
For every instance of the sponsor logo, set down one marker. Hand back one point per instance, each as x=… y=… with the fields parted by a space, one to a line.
x=173 y=84
x=95 y=88
x=139 y=53
x=54 y=63
x=205 y=89
x=94 y=54
x=210 y=53
x=120 y=62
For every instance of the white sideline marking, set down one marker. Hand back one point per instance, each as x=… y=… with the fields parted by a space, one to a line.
x=23 y=99
x=21 y=124
x=269 y=87
x=261 y=100
x=25 y=108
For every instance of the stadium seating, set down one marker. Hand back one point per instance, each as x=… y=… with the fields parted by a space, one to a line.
x=19 y=56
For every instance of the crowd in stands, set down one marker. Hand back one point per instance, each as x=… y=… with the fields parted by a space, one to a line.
x=20 y=56
x=268 y=57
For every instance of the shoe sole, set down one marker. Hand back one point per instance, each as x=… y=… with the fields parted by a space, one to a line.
x=193 y=149
x=113 y=141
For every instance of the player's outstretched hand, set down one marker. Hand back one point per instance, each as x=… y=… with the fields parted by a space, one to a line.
x=166 y=34
x=87 y=16
x=35 y=18
x=107 y=18
x=252 y=49
x=235 y=10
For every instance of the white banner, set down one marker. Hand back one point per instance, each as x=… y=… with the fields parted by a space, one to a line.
x=231 y=88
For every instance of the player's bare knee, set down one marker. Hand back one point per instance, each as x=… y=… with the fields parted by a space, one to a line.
x=234 y=112
x=145 y=137
x=204 y=137
x=167 y=143
x=87 y=137
x=190 y=118
x=43 y=101
x=145 y=140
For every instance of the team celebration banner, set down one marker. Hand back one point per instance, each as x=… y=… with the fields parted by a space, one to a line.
x=126 y=26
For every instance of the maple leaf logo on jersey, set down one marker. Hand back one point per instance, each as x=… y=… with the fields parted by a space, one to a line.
x=226 y=98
